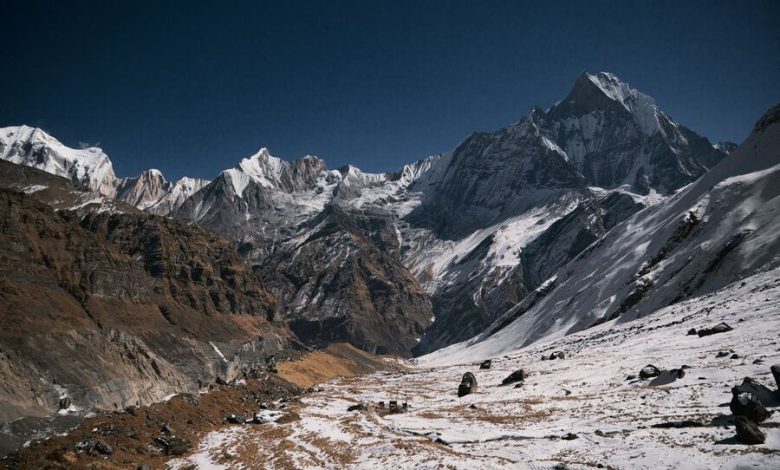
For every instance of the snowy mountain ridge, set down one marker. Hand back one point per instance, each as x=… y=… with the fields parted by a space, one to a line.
x=478 y=228
x=718 y=230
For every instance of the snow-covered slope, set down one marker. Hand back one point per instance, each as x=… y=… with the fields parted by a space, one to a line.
x=609 y=421
x=720 y=229
x=33 y=147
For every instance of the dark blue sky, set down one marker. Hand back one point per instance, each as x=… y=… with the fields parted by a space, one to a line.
x=190 y=89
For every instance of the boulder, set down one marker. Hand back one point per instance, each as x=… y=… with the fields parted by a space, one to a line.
x=748 y=431
x=747 y=404
x=515 y=376
x=235 y=419
x=468 y=384
x=173 y=445
x=65 y=403
x=358 y=407
x=569 y=436
x=668 y=376
x=486 y=364
x=765 y=395
x=776 y=373
x=692 y=332
x=719 y=328
x=557 y=355
x=94 y=447
x=722 y=354
x=103 y=448
x=649 y=371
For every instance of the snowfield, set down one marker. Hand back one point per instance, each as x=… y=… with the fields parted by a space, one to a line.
x=588 y=394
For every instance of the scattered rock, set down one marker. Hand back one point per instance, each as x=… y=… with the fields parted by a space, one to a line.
x=94 y=447
x=747 y=404
x=735 y=356
x=235 y=419
x=557 y=355
x=722 y=354
x=65 y=403
x=173 y=445
x=687 y=423
x=190 y=398
x=165 y=429
x=270 y=364
x=486 y=364
x=692 y=332
x=358 y=407
x=519 y=385
x=515 y=376
x=630 y=377
x=748 y=431
x=103 y=448
x=150 y=449
x=569 y=436
x=468 y=384
x=649 y=371
x=719 y=328
x=473 y=406
x=668 y=376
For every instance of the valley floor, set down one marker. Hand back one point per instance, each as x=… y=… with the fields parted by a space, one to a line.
x=587 y=394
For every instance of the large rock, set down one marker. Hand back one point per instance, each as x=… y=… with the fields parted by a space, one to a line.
x=764 y=395
x=776 y=373
x=486 y=364
x=649 y=371
x=748 y=431
x=173 y=445
x=468 y=384
x=515 y=376
x=748 y=405
x=667 y=377
x=719 y=328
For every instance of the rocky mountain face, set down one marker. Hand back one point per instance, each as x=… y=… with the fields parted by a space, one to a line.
x=434 y=253
x=108 y=309
x=151 y=192
x=715 y=232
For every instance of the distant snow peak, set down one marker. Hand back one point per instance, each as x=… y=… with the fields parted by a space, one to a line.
x=33 y=147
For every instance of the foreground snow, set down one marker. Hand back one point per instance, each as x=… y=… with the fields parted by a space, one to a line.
x=586 y=394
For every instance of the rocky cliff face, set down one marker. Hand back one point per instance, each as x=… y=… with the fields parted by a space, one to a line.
x=337 y=284
x=109 y=309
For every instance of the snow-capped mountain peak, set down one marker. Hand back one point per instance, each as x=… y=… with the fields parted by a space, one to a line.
x=642 y=107
x=33 y=147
